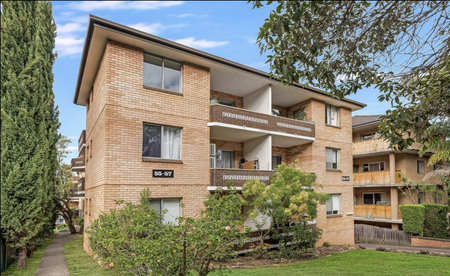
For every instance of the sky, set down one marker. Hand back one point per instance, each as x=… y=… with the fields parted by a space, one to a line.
x=227 y=29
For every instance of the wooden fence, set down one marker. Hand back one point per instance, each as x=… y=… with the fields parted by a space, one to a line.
x=375 y=234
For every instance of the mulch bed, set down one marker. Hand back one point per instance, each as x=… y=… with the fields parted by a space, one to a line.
x=271 y=257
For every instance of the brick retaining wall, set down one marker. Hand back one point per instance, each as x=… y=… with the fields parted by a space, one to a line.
x=430 y=242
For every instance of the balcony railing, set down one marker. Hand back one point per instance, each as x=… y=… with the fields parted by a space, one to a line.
x=251 y=119
x=81 y=184
x=77 y=164
x=375 y=178
x=219 y=177
x=82 y=140
x=374 y=211
x=369 y=146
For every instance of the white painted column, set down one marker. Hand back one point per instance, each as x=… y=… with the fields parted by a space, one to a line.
x=260 y=100
x=262 y=148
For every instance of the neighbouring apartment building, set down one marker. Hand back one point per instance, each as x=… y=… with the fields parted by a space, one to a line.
x=182 y=122
x=77 y=167
x=376 y=183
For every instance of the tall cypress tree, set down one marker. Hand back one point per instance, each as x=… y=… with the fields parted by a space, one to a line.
x=29 y=123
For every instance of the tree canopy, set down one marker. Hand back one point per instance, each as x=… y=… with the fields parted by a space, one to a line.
x=399 y=47
x=29 y=123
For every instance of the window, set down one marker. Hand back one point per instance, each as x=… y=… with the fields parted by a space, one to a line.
x=368 y=136
x=374 y=198
x=334 y=205
x=276 y=160
x=224 y=159
x=420 y=167
x=436 y=166
x=332 y=115
x=373 y=167
x=172 y=205
x=421 y=198
x=332 y=158
x=92 y=149
x=438 y=197
x=162 y=73
x=300 y=114
x=161 y=142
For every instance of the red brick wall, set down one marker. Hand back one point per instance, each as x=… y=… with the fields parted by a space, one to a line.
x=430 y=242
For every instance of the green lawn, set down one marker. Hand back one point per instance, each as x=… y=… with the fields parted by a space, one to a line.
x=359 y=262
x=80 y=263
x=32 y=263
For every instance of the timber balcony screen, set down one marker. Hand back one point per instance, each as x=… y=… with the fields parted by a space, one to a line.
x=77 y=162
x=81 y=184
x=243 y=117
x=374 y=178
x=374 y=211
x=82 y=140
x=372 y=145
x=219 y=177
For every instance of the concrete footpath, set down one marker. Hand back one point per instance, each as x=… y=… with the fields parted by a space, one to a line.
x=408 y=249
x=53 y=263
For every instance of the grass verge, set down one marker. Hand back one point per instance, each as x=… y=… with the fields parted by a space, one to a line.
x=32 y=263
x=80 y=263
x=359 y=262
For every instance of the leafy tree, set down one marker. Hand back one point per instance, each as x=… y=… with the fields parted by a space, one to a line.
x=284 y=206
x=63 y=184
x=134 y=240
x=28 y=124
x=412 y=189
x=400 y=47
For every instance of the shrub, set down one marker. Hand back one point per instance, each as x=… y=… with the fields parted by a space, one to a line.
x=80 y=222
x=413 y=218
x=135 y=241
x=326 y=244
x=62 y=227
x=435 y=224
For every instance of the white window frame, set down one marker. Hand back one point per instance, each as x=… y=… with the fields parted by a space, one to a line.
x=379 y=166
x=332 y=209
x=162 y=72
x=418 y=167
x=338 y=157
x=233 y=160
x=331 y=115
x=161 y=204
x=162 y=141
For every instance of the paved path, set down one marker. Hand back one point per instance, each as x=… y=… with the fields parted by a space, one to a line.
x=53 y=263
x=412 y=249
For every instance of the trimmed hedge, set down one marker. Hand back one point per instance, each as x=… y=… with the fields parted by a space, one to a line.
x=413 y=218
x=435 y=224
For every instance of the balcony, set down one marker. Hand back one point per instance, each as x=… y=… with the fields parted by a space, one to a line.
x=219 y=177
x=236 y=124
x=370 y=146
x=77 y=164
x=81 y=184
x=375 y=178
x=82 y=142
x=376 y=212
x=74 y=193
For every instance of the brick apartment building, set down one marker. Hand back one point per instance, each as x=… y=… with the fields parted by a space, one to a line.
x=178 y=121
x=375 y=167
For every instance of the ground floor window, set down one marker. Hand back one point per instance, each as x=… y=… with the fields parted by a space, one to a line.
x=172 y=205
x=334 y=205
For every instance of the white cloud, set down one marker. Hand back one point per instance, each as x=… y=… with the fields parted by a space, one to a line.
x=190 y=15
x=154 y=28
x=69 y=28
x=191 y=42
x=122 y=5
x=72 y=148
x=67 y=45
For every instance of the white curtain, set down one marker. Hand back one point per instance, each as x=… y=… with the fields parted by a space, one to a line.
x=171 y=148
